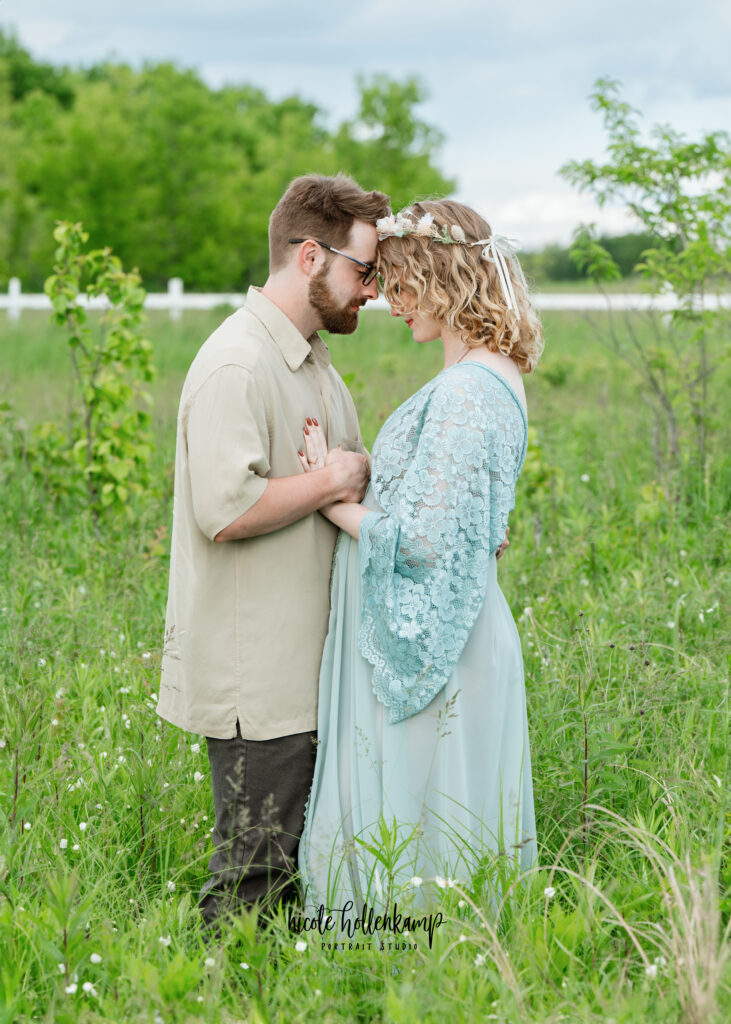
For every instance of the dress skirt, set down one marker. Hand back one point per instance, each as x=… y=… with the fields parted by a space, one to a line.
x=445 y=794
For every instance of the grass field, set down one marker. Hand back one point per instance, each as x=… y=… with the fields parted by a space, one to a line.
x=619 y=598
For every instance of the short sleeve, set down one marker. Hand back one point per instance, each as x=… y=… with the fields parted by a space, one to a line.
x=424 y=560
x=228 y=448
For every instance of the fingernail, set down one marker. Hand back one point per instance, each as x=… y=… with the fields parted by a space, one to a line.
x=308 y=421
x=315 y=422
x=301 y=454
x=307 y=432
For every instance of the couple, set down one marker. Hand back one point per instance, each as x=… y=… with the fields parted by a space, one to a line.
x=421 y=714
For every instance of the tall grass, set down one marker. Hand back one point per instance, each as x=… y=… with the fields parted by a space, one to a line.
x=619 y=600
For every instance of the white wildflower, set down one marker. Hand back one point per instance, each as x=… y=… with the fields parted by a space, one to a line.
x=244 y=966
x=83 y=826
x=54 y=721
x=82 y=589
x=89 y=988
x=171 y=885
x=415 y=881
x=209 y=962
x=63 y=844
x=585 y=478
x=386 y=226
x=549 y=892
x=717 y=781
x=165 y=940
x=198 y=776
x=71 y=989
x=27 y=826
x=480 y=959
x=195 y=748
x=146 y=656
x=76 y=847
x=300 y=946
x=700 y=617
x=42 y=662
x=62 y=968
x=670 y=625
x=651 y=970
x=441 y=882
x=95 y=958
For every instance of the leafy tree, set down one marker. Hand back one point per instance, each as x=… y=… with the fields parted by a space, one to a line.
x=681 y=192
x=112 y=361
x=180 y=179
x=27 y=75
x=387 y=146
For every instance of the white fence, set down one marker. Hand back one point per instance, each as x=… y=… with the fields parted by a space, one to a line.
x=176 y=300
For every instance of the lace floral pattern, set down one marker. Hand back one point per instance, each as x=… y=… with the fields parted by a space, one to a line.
x=444 y=470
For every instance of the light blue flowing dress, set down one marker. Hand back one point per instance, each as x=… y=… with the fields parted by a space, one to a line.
x=422 y=726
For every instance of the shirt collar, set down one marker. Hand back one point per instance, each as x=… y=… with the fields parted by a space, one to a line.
x=294 y=346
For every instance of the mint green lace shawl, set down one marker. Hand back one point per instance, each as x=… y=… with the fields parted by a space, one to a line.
x=444 y=470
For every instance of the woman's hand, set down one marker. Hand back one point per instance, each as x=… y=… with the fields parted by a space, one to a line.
x=315 y=453
x=505 y=544
x=347 y=515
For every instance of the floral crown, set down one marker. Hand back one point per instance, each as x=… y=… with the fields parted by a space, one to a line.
x=496 y=249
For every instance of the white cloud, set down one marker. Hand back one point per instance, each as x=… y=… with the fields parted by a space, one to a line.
x=539 y=218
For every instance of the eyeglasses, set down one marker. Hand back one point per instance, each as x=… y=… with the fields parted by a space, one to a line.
x=369 y=272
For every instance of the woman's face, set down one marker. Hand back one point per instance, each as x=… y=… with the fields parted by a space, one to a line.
x=423 y=327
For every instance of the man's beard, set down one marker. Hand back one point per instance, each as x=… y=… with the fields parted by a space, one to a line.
x=335 y=319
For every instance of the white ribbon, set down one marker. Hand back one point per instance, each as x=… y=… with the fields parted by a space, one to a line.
x=498 y=249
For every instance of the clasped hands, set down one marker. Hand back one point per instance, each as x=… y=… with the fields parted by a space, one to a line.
x=351 y=468
x=316 y=456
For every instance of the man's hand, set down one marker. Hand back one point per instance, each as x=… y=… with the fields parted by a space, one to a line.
x=350 y=470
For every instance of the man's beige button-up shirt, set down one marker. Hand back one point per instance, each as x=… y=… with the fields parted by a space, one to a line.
x=246 y=619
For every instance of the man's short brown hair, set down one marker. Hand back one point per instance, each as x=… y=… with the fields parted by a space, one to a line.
x=321 y=208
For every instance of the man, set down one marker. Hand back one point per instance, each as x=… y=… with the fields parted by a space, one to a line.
x=248 y=599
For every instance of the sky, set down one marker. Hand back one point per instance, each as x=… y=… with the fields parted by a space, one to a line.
x=508 y=83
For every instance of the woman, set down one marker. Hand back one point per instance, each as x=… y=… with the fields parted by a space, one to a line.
x=423 y=765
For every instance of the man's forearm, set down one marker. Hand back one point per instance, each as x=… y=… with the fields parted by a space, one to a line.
x=285 y=500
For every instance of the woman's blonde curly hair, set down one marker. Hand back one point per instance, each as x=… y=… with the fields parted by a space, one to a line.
x=456 y=286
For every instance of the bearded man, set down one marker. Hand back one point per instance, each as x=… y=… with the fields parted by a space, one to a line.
x=248 y=599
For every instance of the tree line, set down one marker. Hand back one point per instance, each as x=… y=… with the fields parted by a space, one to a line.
x=179 y=178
